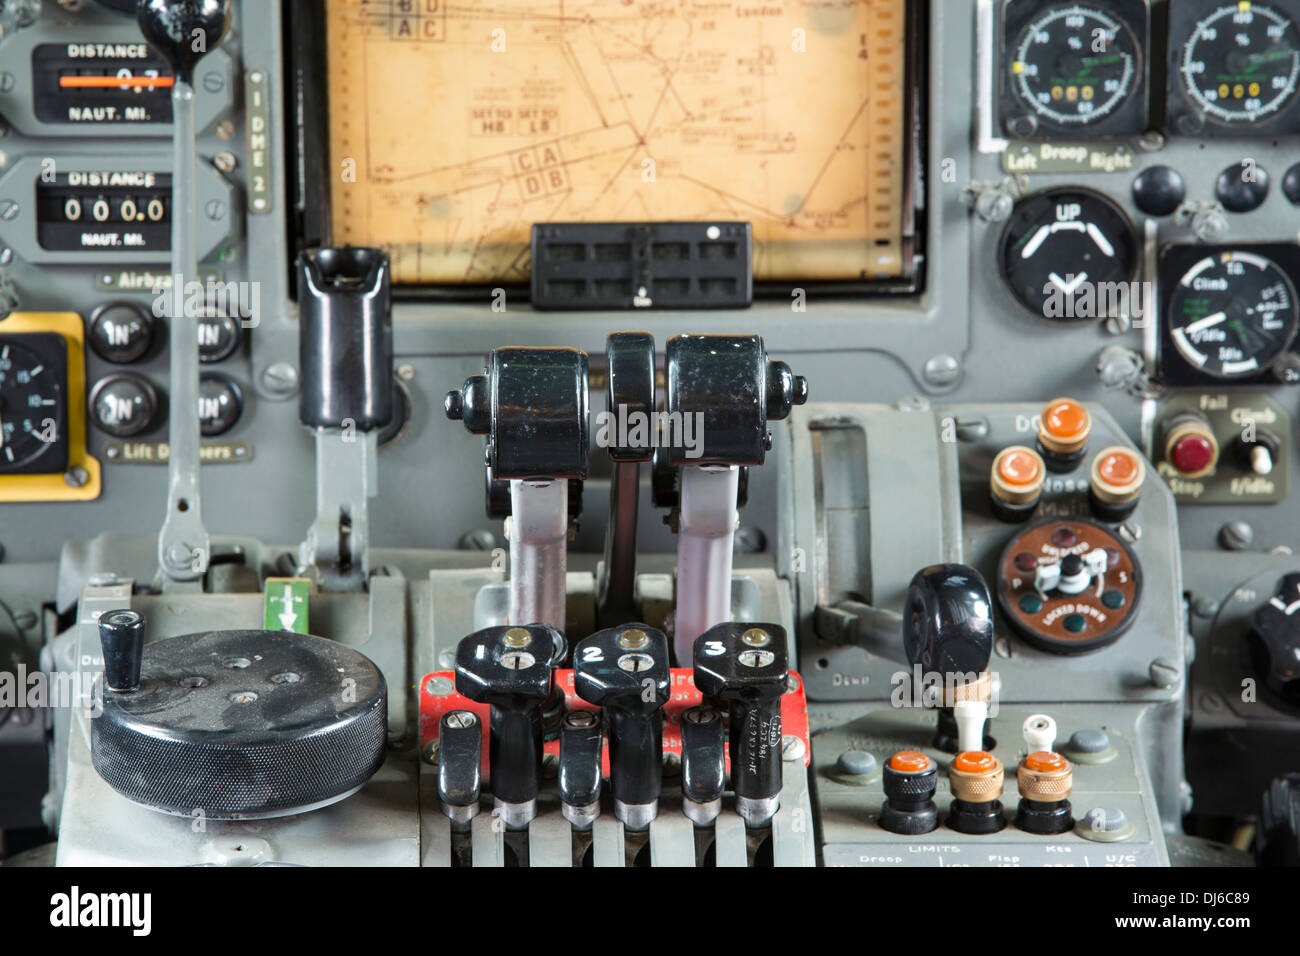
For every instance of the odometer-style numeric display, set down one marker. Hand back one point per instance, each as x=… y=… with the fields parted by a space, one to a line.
x=1075 y=69
x=109 y=211
x=1230 y=313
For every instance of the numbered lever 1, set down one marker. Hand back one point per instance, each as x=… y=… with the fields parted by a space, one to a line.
x=460 y=758
x=747 y=665
x=509 y=668
x=624 y=670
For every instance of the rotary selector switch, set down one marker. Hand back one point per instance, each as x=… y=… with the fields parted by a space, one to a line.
x=747 y=665
x=1069 y=586
x=624 y=670
x=509 y=668
x=1273 y=641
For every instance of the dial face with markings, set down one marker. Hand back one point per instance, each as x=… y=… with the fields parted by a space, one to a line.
x=31 y=406
x=1075 y=65
x=1241 y=63
x=1232 y=314
x=1069 y=255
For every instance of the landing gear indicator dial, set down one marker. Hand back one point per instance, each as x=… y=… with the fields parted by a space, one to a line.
x=1232 y=314
x=1241 y=63
x=1070 y=255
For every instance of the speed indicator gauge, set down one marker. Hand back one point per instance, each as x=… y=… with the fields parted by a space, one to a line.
x=33 y=404
x=1237 y=66
x=1076 y=69
x=1231 y=314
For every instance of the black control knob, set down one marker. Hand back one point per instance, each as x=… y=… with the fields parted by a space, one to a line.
x=747 y=665
x=1242 y=188
x=948 y=621
x=909 y=781
x=120 y=332
x=121 y=635
x=220 y=404
x=509 y=668
x=624 y=670
x=460 y=759
x=704 y=770
x=123 y=405
x=219 y=336
x=581 y=745
x=1273 y=640
x=1159 y=190
x=183 y=31
x=1291 y=185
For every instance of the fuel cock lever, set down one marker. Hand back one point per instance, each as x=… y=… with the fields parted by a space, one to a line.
x=183 y=31
x=704 y=770
x=509 y=668
x=747 y=665
x=460 y=758
x=624 y=670
x=581 y=744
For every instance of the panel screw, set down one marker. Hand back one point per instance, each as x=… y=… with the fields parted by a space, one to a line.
x=1236 y=536
x=279 y=380
x=792 y=748
x=76 y=477
x=941 y=371
x=1163 y=674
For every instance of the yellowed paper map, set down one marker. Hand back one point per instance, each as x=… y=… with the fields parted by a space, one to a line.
x=456 y=126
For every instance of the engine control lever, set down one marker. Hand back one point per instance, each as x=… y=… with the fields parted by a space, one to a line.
x=183 y=31
x=747 y=665
x=721 y=391
x=509 y=668
x=460 y=758
x=345 y=350
x=630 y=406
x=624 y=670
x=948 y=638
x=121 y=636
x=581 y=745
x=704 y=770
x=531 y=403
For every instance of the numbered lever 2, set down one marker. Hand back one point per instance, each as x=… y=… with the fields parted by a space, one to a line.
x=624 y=670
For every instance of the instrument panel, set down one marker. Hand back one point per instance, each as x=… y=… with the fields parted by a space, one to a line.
x=960 y=420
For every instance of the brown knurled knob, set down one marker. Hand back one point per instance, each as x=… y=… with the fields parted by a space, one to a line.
x=976 y=777
x=1045 y=776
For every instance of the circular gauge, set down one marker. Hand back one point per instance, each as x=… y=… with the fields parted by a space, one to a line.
x=1075 y=65
x=1069 y=585
x=1241 y=63
x=1069 y=255
x=31 y=406
x=1232 y=314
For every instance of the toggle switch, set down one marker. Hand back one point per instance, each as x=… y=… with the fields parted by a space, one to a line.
x=704 y=770
x=581 y=744
x=460 y=759
x=909 y=781
x=624 y=670
x=509 y=668
x=747 y=665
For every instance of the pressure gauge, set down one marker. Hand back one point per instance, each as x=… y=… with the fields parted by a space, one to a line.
x=1075 y=69
x=1231 y=314
x=33 y=404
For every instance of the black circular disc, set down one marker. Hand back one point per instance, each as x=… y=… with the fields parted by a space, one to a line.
x=243 y=724
x=1070 y=255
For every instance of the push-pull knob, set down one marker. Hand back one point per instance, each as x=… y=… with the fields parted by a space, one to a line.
x=509 y=668
x=747 y=665
x=460 y=758
x=581 y=744
x=624 y=670
x=183 y=31
x=121 y=635
x=704 y=771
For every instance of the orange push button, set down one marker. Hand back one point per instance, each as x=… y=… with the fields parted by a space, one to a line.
x=1116 y=480
x=1016 y=482
x=1063 y=429
x=910 y=761
x=1046 y=761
